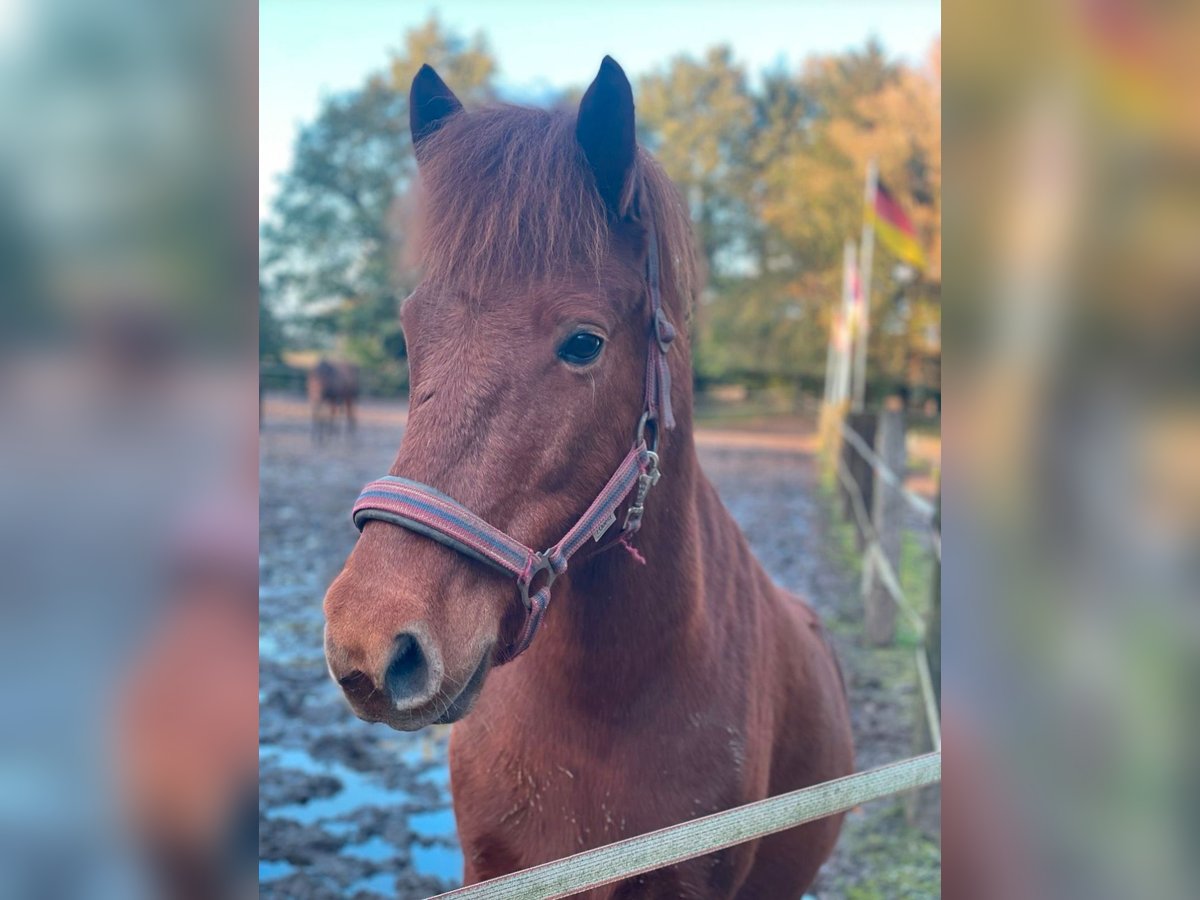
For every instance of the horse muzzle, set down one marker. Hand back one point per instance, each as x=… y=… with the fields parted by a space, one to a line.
x=410 y=689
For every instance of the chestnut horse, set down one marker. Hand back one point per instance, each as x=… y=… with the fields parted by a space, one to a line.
x=332 y=385
x=670 y=677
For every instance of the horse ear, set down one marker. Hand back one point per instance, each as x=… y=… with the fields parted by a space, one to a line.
x=430 y=104
x=605 y=130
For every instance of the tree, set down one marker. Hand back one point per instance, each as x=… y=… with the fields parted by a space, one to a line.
x=467 y=65
x=328 y=245
x=270 y=334
x=801 y=191
x=899 y=126
x=696 y=116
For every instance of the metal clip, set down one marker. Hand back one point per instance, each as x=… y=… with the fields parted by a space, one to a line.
x=647 y=480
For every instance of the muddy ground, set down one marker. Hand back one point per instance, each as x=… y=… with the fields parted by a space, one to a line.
x=353 y=810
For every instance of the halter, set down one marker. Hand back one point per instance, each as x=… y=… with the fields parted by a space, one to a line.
x=426 y=510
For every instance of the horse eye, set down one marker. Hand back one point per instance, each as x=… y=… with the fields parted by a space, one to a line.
x=580 y=348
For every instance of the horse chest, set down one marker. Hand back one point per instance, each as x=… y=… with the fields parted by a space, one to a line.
x=536 y=800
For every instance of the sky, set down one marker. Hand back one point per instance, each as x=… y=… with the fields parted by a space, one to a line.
x=311 y=48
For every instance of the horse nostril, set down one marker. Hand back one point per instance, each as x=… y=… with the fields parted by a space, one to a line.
x=357 y=685
x=351 y=680
x=408 y=671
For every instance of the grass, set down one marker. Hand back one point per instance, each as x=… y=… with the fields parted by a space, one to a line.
x=916 y=583
x=764 y=409
x=902 y=861
x=894 y=859
x=916 y=567
x=924 y=426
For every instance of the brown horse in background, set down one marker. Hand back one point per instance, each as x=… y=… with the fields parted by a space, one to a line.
x=332 y=386
x=655 y=692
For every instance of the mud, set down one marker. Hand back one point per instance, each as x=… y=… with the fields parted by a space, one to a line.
x=353 y=810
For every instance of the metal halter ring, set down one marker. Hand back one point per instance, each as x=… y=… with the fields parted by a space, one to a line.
x=542 y=563
x=652 y=444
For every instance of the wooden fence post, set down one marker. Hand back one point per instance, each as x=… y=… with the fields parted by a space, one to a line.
x=887 y=513
x=922 y=806
x=859 y=469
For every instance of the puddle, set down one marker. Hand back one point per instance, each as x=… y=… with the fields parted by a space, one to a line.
x=375 y=849
x=439 y=861
x=383 y=883
x=363 y=802
x=357 y=790
x=269 y=870
x=439 y=822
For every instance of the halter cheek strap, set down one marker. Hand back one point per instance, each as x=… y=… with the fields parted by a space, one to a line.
x=427 y=511
x=662 y=334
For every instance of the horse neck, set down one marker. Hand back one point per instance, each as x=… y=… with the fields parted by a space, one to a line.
x=618 y=622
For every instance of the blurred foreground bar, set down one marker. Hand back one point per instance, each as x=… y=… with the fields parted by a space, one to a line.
x=1071 y=515
x=128 y=469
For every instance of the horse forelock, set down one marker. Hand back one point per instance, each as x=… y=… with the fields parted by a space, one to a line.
x=507 y=197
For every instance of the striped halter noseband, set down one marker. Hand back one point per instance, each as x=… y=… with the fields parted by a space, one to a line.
x=425 y=510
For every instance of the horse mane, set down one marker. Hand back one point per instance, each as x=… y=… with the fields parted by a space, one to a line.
x=508 y=196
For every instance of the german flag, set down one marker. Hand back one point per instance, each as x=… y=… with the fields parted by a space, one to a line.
x=895 y=229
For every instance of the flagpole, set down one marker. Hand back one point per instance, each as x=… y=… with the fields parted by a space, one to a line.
x=829 y=357
x=846 y=351
x=839 y=323
x=865 y=260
